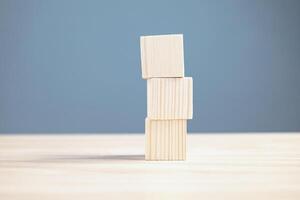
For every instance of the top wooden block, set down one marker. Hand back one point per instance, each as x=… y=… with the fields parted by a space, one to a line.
x=162 y=56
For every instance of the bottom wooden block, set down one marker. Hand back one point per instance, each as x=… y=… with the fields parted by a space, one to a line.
x=165 y=139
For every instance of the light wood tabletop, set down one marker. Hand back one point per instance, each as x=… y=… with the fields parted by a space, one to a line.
x=111 y=166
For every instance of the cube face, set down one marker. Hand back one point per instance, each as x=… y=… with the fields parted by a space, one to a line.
x=170 y=98
x=165 y=139
x=162 y=56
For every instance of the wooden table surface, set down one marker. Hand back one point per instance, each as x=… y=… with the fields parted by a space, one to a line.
x=219 y=166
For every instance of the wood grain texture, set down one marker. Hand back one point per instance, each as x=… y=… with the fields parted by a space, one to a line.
x=162 y=56
x=165 y=139
x=92 y=167
x=170 y=98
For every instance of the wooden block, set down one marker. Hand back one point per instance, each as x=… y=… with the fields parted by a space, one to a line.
x=162 y=56
x=165 y=139
x=170 y=98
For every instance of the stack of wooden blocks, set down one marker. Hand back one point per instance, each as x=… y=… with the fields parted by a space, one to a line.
x=169 y=96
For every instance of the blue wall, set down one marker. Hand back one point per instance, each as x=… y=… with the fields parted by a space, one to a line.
x=74 y=66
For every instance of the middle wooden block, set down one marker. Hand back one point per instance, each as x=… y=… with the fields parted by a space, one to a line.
x=170 y=98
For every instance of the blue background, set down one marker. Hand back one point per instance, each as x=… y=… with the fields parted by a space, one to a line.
x=74 y=66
